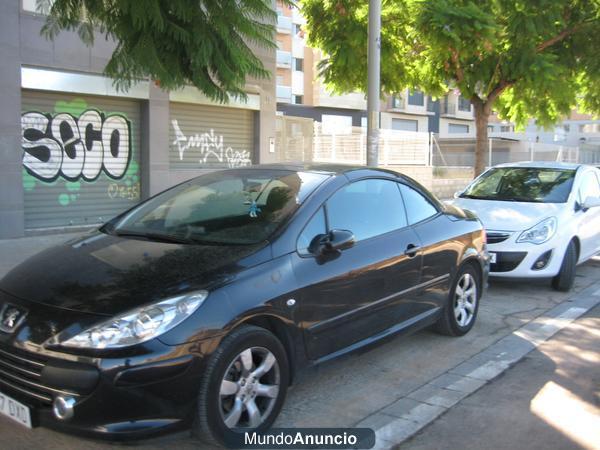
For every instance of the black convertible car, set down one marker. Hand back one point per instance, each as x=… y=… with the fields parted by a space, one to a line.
x=196 y=307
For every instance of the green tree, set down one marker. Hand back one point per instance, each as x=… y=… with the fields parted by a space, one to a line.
x=204 y=43
x=522 y=58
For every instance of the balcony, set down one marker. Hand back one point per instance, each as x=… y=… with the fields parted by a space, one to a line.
x=284 y=94
x=284 y=59
x=447 y=109
x=284 y=24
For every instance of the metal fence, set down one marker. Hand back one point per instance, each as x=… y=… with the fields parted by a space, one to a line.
x=461 y=152
x=303 y=140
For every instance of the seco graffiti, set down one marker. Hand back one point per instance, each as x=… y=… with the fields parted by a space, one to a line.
x=73 y=148
x=211 y=147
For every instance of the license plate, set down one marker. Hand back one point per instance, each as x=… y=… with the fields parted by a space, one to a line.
x=15 y=410
x=492 y=258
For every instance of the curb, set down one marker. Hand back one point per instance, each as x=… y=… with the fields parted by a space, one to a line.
x=403 y=418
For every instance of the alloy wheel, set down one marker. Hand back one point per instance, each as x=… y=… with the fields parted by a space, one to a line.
x=249 y=388
x=465 y=300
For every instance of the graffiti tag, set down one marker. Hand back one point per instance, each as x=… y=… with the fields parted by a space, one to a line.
x=74 y=148
x=211 y=147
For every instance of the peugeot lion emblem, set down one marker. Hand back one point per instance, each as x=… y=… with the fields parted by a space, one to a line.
x=10 y=317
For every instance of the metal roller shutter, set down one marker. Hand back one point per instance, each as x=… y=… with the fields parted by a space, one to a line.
x=206 y=137
x=80 y=158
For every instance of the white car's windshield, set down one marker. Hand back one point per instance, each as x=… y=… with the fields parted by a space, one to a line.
x=523 y=184
x=243 y=206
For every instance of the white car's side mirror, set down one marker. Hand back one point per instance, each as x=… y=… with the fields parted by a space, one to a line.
x=591 y=202
x=457 y=194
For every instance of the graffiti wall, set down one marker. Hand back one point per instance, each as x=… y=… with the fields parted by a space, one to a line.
x=80 y=158
x=205 y=137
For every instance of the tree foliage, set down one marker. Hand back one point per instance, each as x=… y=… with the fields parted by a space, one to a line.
x=205 y=43
x=523 y=58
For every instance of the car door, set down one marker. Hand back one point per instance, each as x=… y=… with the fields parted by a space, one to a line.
x=589 y=219
x=439 y=249
x=353 y=294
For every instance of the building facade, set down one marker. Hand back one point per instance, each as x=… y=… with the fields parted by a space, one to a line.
x=75 y=152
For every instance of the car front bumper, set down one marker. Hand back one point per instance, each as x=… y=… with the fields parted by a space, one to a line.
x=120 y=398
x=517 y=260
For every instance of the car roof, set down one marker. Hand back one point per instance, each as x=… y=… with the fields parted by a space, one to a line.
x=544 y=165
x=324 y=168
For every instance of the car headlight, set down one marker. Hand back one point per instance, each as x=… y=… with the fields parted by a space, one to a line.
x=138 y=325
x=540 y=233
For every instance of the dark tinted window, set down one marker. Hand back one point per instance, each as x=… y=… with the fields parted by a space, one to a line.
x=314 y=227
x=522 y=184
x=241 y=206
x=367 y=208
x=417 y=206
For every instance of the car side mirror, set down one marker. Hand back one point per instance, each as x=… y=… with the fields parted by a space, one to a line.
x=335 y=240
x=591 y=202
x=457 y=194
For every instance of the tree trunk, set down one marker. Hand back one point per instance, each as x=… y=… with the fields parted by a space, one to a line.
x=482 y=115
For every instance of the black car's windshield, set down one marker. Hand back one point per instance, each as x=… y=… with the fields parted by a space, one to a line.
x=523 y=184
x=242 y=206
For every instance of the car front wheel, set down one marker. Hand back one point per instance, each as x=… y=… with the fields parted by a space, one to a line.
x=566 y=277
x=244 y=385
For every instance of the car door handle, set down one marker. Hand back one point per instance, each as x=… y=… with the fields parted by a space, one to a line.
x=411 y=250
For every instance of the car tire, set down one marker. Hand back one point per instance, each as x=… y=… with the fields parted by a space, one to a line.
x=228 y=386
x=566 y=277
x=460 y=312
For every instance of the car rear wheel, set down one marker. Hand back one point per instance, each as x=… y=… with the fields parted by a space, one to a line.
x=566 y=277
x=461 y=309
x=244 y=385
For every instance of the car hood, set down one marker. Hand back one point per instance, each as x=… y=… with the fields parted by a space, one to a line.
x=105 y=275
x=509 y=216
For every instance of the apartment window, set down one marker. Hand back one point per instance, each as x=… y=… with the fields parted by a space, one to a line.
x=464 y=104
x=397 y=101
x=505 y=128
x=279 y=80
x=567 y=128
x=31 y=6
x=490 y=128
x=298 y=99
x=416 y=98
x=405 y=125
x=296 y=29
x=457 y=128
x=299 y=64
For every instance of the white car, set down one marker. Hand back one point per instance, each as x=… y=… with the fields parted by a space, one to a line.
x=542 y=219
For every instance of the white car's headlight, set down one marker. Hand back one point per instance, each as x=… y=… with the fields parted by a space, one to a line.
x=138 y=325
x=540 y=233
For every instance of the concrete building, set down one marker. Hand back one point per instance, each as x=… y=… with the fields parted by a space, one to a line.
x=300 y=92
x=575 y=130
x=75 y=152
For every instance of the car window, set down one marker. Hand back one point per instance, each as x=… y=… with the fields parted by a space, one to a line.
x=522 y=184
x=314 y=227
x=589 y=187
x=234 y=207
x=367 y=208
x=418 y=207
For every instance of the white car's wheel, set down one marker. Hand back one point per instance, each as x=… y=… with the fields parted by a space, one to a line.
x=566 y=277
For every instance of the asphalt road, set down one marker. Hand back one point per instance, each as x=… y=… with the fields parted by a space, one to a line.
x=349 y=390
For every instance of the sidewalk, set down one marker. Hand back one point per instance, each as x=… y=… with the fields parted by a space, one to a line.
x=550 y=400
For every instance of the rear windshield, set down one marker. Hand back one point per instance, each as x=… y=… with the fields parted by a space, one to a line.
x=243 y=206
x=523 y=184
